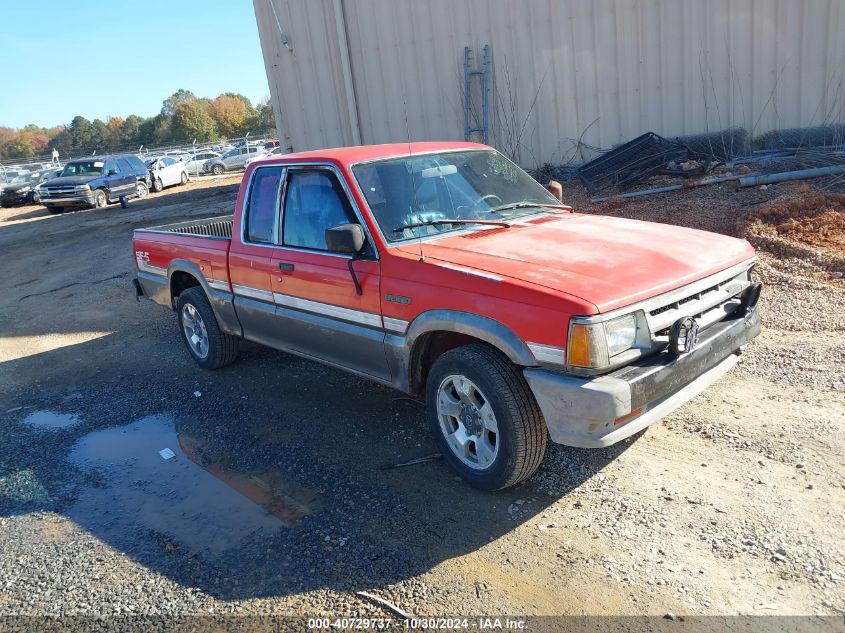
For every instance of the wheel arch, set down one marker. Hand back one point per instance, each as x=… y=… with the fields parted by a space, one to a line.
x=435 y=332
x=183 y=274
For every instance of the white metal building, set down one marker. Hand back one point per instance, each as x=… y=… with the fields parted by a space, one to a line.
x=345 y=72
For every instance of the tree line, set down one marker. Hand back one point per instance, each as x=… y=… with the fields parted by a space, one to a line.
x=184 y=117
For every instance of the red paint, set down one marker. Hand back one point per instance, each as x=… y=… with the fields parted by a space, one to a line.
x=531 y=277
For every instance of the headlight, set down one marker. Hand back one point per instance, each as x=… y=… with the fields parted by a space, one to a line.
x=24 y=189
x=593 y=345
x=83 y=187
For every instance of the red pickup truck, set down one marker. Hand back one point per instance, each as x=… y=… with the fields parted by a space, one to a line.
x=447 y=272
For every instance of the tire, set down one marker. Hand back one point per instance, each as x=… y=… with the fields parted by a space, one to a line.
x=218 y=169
x=184 y=178
x=54 y=209
x=141 y=190
x=520 y=437
x=158 y=185
x=221 y=349
x=101 y=198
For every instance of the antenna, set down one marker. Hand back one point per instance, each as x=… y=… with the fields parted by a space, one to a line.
x=413 y=180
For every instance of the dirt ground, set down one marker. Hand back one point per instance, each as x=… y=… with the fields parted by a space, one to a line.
x=274 y=501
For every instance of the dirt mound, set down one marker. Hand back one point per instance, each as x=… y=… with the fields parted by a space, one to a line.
x=809 y=217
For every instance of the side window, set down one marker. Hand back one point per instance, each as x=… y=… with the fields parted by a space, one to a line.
x=314 y=202
x=167 y=161
x=111 y=166
x=261 y=210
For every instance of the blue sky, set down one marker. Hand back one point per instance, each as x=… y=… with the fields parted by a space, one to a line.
x=101 y=59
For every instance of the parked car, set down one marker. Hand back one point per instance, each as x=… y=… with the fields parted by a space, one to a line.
x=268 y=154
x=196 y=163
x=166 y=171
x=447 y=272
x=20 y=190
x=233 y=159
x=271 y=144
x=96 y=182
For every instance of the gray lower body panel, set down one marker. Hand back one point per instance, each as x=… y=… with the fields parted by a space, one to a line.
x=586 y=412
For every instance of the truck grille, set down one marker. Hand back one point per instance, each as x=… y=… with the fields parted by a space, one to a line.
x=57 y=192
x=707 y=302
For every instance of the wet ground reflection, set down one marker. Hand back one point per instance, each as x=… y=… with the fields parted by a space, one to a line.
x=191 y=501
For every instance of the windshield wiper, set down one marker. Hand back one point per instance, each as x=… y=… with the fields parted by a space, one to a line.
x=526 y=205
x=415 y=225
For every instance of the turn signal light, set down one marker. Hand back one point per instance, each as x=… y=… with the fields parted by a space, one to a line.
x=579 y=346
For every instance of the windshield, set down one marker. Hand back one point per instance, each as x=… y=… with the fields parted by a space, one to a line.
x=466 y=185
x=89 y=167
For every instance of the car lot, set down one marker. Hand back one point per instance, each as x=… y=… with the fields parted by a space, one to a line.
x=274 y=500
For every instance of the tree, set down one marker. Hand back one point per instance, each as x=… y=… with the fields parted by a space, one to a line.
x=168 y=106
x=130 y=132
x=80 y=134
x=114 y=128
x=264 y=122
x=21 y=145
x=192 y=121
x=233 y=114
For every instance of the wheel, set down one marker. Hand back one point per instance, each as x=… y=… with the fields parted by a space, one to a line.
x=100 y=199
x=485 y=418
x=158 y=185
x=54 y=209
x=209 y=346
x=141 y=190
x=217 y=170
x=184 y=178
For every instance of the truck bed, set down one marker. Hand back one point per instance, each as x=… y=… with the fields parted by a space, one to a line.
x=219 y=227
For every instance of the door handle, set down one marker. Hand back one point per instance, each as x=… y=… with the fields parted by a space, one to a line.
x=286 y=268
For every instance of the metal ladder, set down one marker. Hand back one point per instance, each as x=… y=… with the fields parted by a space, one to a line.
x=484 y=73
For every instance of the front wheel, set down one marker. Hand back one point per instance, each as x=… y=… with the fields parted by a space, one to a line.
x=218 y=170
x=141 y=190
x=486 y=421
x=184 y=178
x=209 y=346
x=158 y=185
x=100 y=199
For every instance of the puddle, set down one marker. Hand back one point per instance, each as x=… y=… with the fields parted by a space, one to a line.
x=50 y=420
x=200 y=504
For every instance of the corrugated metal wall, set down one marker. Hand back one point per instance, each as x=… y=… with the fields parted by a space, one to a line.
x=602 y=71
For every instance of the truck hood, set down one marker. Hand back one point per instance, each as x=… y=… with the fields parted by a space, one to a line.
x=609 y=262
x=67 y=181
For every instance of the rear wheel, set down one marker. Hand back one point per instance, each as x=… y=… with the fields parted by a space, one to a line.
x=100 y=199
x=209 y=346
x=484 y=417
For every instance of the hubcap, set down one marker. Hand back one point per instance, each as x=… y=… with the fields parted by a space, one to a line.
x=467 y=422
x=195 y=332
x=142 y=191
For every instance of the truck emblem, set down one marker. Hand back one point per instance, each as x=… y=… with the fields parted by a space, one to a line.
x=683 y=336
x=397 y=299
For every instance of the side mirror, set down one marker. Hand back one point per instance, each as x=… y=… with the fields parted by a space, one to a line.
x=345 y=238
x=112 y=172
x=556 y=189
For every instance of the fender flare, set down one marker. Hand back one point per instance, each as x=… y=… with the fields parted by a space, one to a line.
x=222 y=303
x=486 y=329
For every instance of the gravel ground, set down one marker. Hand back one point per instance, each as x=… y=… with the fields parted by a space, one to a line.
x=274 y=502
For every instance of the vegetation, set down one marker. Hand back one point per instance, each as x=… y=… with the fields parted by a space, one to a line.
x=184 y=117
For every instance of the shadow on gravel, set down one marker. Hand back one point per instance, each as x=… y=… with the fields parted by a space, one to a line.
x=274 y=485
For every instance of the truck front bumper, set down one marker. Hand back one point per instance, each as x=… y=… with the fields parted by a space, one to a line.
x=600 y=411
x=82 y=199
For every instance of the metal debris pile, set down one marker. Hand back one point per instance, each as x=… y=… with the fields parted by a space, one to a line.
x=651 y=164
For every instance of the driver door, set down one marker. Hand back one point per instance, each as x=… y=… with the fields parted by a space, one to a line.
x=319 y=311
